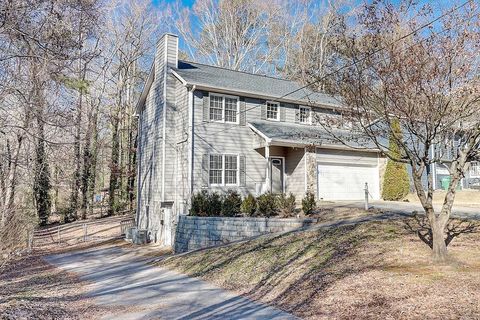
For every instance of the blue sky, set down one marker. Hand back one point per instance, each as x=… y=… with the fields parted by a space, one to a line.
x=188 y=3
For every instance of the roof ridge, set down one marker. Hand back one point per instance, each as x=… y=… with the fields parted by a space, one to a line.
x=240 y=71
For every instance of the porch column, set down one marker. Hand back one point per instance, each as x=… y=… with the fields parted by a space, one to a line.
x=311 y=170
x=268 y=184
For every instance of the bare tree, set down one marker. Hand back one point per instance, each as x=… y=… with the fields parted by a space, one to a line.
x=404 y=65
x=38 y=43
x=131 y=34
x=308 y=35
x=231 y=34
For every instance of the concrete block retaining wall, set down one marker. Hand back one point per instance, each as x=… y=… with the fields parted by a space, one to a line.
x=202 y=232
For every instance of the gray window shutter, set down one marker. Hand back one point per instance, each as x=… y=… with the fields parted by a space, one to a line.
x=206 y=107
x=282 y=111
x=243 y=113
x=264 y=111
x=205 y=170
x=297 y=114
x=243 y=175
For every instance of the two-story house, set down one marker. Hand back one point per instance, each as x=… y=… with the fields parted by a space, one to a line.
x=205 y=127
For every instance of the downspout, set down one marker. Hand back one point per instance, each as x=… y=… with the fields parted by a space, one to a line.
x=191 y=121
x=139 y=168
x=434 y=169
x=267 y=158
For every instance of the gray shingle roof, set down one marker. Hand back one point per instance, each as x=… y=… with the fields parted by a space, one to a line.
x=299 y=134
x=275 y=88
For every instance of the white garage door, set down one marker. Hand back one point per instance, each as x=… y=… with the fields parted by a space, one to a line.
x=347 y=181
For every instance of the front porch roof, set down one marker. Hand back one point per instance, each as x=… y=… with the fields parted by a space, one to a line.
x=299 y=135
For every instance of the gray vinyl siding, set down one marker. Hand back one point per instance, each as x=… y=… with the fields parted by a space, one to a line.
x=347 y=157
x=171 y=140
x=151 y=123
x=181 y=141
x=295 y=172
x=151 y=136
x=224 y=138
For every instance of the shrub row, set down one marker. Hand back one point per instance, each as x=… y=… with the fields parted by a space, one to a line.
x=231 y=204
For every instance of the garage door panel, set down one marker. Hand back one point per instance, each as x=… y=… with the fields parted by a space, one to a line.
x=346 y=182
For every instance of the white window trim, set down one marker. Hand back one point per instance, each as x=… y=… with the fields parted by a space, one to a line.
x=473 y=174
x=223 y=170
x=223 y=96
x=278 y=110
x=309 y=114
x=210 y=168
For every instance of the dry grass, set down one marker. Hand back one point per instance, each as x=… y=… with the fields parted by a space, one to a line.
x=331 y=213
x=465 y=198
x=375 y=270
x=30 y=288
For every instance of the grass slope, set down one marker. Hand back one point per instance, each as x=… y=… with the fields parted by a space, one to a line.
x=375 y=270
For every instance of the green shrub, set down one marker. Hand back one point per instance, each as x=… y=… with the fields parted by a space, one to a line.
x=249 y=205
x=286 y=205
x=214 y=201
x=267 y=205
x=206 y=204
x=231 y=203
x=396 y=182
x=308 y=203
x=199 y=205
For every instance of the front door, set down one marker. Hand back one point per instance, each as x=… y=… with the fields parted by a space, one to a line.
x=167 y=225
x=276 y=168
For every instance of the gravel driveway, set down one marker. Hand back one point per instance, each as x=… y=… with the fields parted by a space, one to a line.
x=120 y=276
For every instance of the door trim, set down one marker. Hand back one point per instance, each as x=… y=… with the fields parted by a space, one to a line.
x=283 y=171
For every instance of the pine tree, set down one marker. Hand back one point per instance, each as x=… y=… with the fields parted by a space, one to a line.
x=396 y=183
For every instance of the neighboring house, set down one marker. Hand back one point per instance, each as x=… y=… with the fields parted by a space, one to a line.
x=209 y=128
x=441 y=174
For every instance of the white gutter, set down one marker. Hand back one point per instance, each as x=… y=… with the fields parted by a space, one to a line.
x=260 y=133
x=146 y=89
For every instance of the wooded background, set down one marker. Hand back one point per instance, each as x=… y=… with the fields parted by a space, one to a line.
x=71 y=73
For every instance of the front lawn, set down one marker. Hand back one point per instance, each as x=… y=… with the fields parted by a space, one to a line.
x=375 y=270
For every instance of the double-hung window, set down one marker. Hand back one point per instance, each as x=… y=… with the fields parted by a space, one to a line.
x=305 y=115
x=224 y=108
x=223 y=169
x=475 y=169
x=273 y=111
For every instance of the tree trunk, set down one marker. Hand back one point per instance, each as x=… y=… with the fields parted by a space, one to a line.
x=438 y=241
x=42 y=174
x=93 y=162
x=72 y=215
x=114 y=169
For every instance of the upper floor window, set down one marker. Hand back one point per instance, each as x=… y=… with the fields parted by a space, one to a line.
x=273 y=112
x=475 y=169
x=223 y=169
x=224 y=108
x=305 y=115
